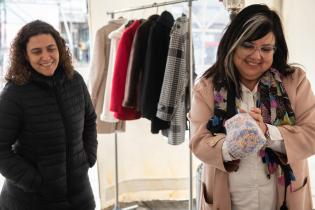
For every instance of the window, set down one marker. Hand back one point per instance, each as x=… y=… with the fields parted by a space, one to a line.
x=70 y=18
x=209 y=19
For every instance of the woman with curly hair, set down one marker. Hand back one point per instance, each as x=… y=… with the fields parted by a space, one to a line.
x=47 y=128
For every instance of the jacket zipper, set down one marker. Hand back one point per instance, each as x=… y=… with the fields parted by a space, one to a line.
x=57 y=96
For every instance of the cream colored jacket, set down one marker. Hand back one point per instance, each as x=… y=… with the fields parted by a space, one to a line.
x=299 y=142
x=98 y=75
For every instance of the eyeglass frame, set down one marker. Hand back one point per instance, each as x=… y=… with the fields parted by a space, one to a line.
x=265 y=54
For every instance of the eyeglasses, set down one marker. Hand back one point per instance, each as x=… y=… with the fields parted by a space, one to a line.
x=265 y=51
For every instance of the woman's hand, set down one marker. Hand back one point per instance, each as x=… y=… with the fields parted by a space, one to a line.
x=256 y=114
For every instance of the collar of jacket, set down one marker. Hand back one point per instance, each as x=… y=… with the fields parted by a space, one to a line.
x=153 y=17
x=118 y=21
x=166 y=19
x=48 y=81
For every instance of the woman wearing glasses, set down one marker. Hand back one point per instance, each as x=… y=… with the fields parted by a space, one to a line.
x=252 y=120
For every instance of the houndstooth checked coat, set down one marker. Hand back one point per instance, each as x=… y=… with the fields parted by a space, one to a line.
x=172 y=103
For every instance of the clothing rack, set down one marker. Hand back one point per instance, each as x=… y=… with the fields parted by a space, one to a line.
x=147 y=6
x=112 y=14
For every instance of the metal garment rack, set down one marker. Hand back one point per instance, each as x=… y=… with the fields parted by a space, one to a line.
x=112 y=14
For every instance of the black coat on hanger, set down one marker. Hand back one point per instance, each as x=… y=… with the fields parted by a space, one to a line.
x=156 y=56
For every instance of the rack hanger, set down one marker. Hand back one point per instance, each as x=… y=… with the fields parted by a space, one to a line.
x=147 y=6
x=112 y=14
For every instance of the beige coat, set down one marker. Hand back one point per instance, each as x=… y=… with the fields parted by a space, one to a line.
x=299 y=142
x=98 y=75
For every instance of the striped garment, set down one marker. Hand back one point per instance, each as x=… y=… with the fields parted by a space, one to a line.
x=172 y=103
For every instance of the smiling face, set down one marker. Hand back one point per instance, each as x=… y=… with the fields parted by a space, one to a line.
x=254 y=58
x=42 y=54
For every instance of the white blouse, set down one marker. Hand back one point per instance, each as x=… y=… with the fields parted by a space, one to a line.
x=249 y=186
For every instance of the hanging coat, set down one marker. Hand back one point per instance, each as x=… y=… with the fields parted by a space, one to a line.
x=98 y=75
x=136 y=65
x=172 y=103
x=119 y=77
x=154 y=69
x=114 y=36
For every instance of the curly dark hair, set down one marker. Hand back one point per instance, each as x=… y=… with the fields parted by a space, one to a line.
x=19 y=70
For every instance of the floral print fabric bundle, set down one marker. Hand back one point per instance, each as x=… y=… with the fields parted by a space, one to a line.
x=243 y=136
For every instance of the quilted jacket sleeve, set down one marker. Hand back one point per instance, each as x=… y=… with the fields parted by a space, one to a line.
x=12 y=166
x=89 y=133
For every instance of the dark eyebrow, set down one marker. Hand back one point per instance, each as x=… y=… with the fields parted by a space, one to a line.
x=252 y=42
x=38 y=49
x=268 y=45
x=35 y=49
x=51 y=45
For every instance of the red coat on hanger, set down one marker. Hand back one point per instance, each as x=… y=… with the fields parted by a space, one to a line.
x=120 y=72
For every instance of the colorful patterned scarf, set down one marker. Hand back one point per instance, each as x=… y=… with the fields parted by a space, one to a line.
x=276 y=110
x=272 y=99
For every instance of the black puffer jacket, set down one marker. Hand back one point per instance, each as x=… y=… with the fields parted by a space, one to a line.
x=47 y=143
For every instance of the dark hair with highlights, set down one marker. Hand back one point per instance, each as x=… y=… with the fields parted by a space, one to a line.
x=252 y=23
x=19 y=70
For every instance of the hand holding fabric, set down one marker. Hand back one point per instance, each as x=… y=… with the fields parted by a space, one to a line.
x=243 y=136
x=256 y=114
